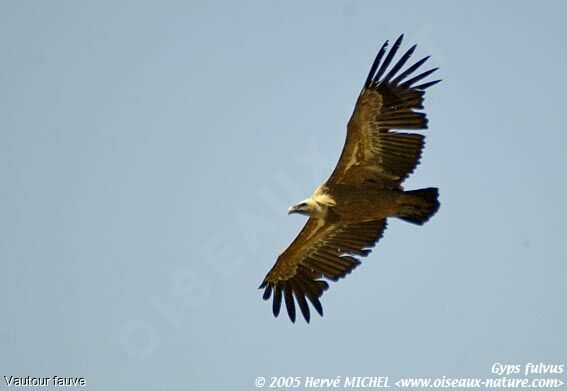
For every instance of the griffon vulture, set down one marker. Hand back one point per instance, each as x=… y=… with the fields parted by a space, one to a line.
x=348 y=213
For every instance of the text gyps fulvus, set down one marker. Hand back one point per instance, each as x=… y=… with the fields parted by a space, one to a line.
x=348 y=213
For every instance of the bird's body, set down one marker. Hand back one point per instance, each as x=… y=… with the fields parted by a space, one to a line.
x=357 y=202
x=348 y=213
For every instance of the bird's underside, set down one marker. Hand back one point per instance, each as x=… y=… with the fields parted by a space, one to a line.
x=348 y=213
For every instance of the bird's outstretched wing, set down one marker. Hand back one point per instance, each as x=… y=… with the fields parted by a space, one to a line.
x=322 y=249
x=388 y=101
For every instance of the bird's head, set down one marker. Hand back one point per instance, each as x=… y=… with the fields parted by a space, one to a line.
x=306 y=207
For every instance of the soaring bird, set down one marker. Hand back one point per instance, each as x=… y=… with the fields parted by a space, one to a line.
x=348 y=213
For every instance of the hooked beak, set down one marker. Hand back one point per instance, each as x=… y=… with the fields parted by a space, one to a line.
x=292 y=209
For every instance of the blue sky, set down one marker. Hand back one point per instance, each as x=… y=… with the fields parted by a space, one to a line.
x=149 y=152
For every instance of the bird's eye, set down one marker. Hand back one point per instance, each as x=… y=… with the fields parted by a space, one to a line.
x=303 y=204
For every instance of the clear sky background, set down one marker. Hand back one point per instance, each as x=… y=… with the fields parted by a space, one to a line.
x=149 y=152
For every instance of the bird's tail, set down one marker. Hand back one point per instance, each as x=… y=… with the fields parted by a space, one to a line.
x=418 y=206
